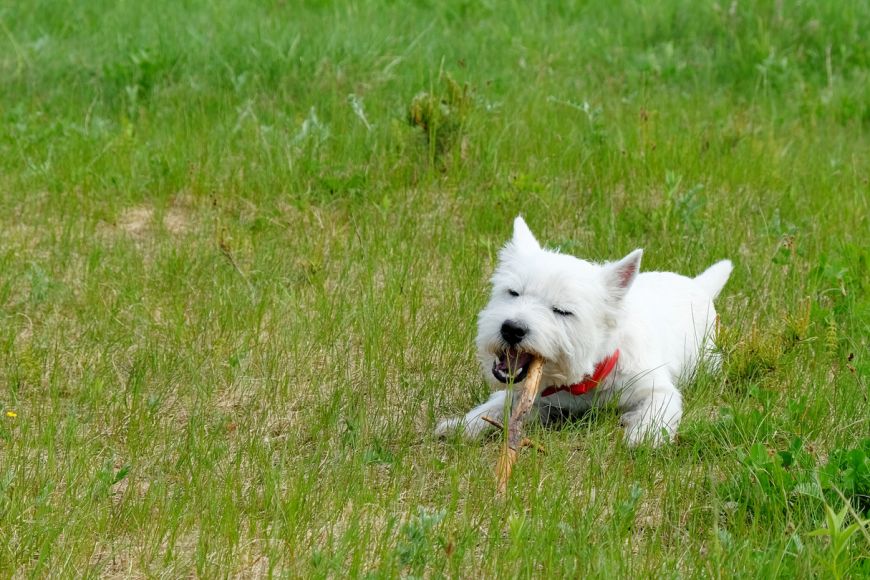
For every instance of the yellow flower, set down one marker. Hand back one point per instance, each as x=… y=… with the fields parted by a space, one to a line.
x=11 y=414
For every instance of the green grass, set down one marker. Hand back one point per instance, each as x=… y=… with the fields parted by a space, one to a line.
x=238 y=284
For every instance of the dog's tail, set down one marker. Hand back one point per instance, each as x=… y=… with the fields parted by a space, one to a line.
x=713 y=278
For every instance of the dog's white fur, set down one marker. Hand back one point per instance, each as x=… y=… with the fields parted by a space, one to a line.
x=661 y=323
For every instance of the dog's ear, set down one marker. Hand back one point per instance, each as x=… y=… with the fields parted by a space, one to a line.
x=620 y=275
x=523 y=237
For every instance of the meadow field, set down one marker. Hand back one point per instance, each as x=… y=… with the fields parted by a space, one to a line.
x=243 y=245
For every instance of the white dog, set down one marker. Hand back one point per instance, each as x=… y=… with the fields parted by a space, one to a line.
x=606 y=333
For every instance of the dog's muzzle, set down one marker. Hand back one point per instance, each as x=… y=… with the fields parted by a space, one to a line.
x=511 y=366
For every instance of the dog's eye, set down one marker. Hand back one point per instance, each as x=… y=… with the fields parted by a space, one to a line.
x=513 y=293
x=562 y=312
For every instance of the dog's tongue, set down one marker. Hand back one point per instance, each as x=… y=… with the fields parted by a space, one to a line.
x=512 y=362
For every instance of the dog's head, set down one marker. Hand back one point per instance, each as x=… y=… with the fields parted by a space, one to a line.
x=559 y=307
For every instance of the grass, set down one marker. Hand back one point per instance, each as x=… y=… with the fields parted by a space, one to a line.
x=243 y=246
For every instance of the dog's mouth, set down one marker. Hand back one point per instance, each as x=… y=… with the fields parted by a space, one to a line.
x=511 y=366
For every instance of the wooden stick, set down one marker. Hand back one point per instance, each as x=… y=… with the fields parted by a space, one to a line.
x=526 y=442
x=493 y=422
x=521 y=407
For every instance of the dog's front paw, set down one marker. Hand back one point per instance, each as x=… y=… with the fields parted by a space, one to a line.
x=469 y=429
x=447 y=426
x=654 y=420
x=639 y=431
x=471 y=425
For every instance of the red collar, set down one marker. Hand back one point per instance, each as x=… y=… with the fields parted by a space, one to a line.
x=603 y=369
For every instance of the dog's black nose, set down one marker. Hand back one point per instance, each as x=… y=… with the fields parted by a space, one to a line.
x=512 y=332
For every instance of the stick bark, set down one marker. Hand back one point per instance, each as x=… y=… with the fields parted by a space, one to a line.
x=521 y=407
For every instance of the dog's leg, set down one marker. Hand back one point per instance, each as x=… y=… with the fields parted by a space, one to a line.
x=652 y=409
x=471 y=424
